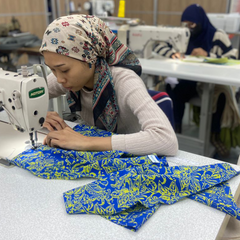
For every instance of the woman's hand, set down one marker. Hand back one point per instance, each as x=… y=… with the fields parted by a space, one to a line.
x=199 y=52
x=69 y=139
x=54 y=122
x=177 y=56
x=66 y=138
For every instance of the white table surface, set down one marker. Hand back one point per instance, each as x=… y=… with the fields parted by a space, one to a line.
x=32 y=208
x=202 y=72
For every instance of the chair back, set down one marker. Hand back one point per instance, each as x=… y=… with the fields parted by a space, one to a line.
x=163 y=100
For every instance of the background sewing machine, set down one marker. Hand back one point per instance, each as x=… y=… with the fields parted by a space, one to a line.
x=24 y=97
x=140 y=39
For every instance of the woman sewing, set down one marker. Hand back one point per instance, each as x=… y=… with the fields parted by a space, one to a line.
x=100 y=76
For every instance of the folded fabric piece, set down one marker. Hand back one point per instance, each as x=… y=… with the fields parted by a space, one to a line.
x=147 y=184
x=129 y=188
x=55 y=163
x=219 y=197
x=133 y=218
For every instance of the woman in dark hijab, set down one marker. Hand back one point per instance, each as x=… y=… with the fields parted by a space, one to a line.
x=206 y=41
x=202 y=31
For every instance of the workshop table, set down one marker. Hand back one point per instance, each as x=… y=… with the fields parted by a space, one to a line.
x=208 y=74
x=32 y=208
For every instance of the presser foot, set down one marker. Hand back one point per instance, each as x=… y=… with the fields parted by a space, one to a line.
x=35 y=146
x=5 y=162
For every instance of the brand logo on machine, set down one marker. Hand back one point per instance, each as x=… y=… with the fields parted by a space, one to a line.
x=37 y=92
x=137 y=35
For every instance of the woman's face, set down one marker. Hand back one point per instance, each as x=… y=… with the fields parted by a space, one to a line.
x=195 y=29
x=189 y=25
x=73 y=74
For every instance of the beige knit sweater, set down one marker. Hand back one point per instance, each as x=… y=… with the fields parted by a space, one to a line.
x=142 y=128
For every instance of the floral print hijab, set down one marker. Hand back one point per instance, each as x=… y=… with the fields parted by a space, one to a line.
x=87 y=38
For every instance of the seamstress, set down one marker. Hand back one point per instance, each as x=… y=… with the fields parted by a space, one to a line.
x=101 y=78
x=206 y=41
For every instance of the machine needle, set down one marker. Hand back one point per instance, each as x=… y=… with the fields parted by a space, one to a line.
x=32 y=141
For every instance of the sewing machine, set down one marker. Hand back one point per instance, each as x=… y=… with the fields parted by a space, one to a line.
x=140 y=39
x=229 y=22
x=25 y=98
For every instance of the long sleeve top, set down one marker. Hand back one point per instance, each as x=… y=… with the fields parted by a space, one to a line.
x=221 y=47
x=143 y=128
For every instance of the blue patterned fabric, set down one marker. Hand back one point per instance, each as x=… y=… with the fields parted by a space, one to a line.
x=129 y=189
x=149 y=186
x=55 y=163
x=219 y=197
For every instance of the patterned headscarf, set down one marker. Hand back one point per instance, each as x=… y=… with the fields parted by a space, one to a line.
x=87 y=38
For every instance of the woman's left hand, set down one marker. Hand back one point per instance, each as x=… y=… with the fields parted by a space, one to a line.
x=66 y=139
x=199 y=52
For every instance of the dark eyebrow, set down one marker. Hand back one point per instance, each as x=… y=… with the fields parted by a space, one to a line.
x=59 y=65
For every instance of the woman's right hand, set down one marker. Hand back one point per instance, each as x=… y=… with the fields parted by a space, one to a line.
x=177 y=55
x=54 y=122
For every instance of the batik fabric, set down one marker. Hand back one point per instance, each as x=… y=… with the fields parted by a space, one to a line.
x=129 y=189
